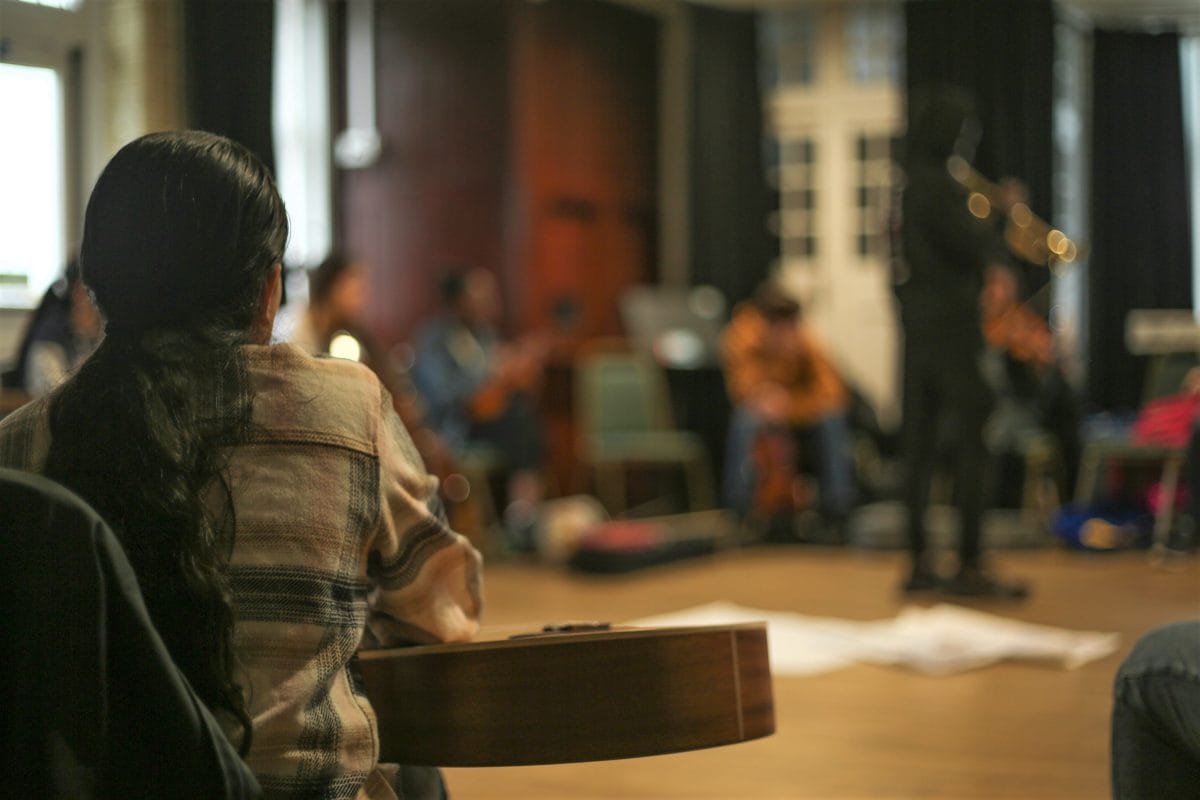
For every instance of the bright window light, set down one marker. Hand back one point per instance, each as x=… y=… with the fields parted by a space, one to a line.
x=66 y=5
x=31 y=183
x=1189 y=61
x=302 y=143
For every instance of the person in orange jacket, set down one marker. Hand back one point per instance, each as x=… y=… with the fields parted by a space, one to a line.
x=780 y=380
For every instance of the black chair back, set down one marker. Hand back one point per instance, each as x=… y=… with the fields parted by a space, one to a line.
x=93 y=705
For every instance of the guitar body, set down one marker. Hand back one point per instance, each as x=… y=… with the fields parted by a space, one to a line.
x=774 y=457
x=567 y=697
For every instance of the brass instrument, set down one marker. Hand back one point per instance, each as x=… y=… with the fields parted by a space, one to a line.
x=1025 y=233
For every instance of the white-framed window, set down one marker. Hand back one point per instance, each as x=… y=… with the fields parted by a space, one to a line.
x=829 y=70
x=831 y=124
x=65 y=5
x=303 y=149
x=788 y=37
x=874 y=39
x=302 y=137
x=35 y=231
x=32 y=168
x=1189 y=64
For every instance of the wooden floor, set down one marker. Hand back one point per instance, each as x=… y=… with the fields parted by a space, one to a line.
x=1008 y=731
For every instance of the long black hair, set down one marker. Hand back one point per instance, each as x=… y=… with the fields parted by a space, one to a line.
x=182 y=231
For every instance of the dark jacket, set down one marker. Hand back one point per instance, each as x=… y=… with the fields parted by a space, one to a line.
x=945 y=247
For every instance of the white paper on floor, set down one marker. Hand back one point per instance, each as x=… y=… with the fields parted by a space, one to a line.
x=939 y=640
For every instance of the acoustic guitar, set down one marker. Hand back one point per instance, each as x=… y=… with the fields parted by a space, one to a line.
x=571 y=696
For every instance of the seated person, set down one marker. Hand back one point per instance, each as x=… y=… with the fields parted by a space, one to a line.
x=332 y=325
x=479 y=388
x=271 y=504
x=780 y=379
x=337 y=296
x=1032 y=386
x=1156 y=716
x=62 y=332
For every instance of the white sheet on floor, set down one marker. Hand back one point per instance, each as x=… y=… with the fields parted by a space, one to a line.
x=940 y=640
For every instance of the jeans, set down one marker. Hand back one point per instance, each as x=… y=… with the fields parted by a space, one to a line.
x=829 y=437
x=1156 y=716
x=518 y=434
x=420 y=783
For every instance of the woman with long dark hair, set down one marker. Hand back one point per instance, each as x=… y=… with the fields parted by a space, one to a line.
x=271 y=504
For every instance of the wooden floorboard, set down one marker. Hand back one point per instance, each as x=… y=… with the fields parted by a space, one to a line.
x=1014 y=730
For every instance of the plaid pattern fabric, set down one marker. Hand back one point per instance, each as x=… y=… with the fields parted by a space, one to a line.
x=339 y=533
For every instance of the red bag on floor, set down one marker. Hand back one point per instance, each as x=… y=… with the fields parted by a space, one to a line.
x=626 y=545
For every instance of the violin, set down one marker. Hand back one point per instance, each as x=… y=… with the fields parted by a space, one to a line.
x=1022 y=334
x=1011 y=326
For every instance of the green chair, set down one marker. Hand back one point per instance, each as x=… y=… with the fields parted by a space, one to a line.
x=624 y=419
x=1164 y=375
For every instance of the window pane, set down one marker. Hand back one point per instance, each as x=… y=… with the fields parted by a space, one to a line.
x=874 y=34
x=31 y=174
x=789 y=43
x=872 y=194
x=796 y=224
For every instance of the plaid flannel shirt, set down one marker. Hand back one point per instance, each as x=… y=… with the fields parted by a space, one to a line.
x=339 y=533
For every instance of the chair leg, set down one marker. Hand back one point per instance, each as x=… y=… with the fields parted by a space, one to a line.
x=1039 y=493
x=1166 y=511
x=700 y=486
x=610 y=486
x=1085 y=485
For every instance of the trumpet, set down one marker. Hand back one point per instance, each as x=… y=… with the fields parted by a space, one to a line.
x=1026 y=234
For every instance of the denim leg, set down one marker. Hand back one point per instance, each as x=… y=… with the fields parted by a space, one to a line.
x=420 y=783
x=1156 y=716
x=836 y=466
x=739 y=477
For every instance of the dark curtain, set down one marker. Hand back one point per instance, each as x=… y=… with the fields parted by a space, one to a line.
x=229 y=48
x=731 y=247
x=1002 y=53
x=1141 y=243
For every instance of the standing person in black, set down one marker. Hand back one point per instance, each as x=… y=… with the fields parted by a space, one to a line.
x=946 y=249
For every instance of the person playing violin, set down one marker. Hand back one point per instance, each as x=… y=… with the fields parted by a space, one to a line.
x=945 y=249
